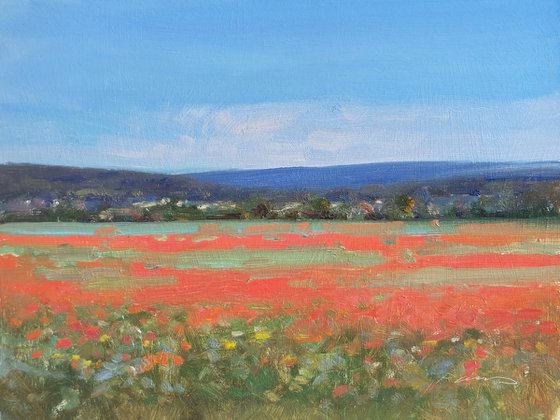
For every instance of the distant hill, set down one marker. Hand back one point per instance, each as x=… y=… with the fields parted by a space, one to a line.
x=357 y=176
x=18 y=181
x=48 y=182
x=442 y=189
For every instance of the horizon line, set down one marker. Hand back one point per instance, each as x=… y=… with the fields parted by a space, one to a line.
x=192 y=171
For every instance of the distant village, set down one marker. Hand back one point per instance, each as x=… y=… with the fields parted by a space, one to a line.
x=417 y=204
x=47 y=193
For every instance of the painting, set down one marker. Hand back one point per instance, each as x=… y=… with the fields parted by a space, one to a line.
x=234 y=209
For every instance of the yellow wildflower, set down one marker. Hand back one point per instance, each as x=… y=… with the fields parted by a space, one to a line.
x=470 y=343
x=230 y=345
x=288 y=360
x=262 y=335
x=541 y=347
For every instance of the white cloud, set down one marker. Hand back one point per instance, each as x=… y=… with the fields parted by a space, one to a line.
x=324 y=134
x=315 y=134
x=302 y=134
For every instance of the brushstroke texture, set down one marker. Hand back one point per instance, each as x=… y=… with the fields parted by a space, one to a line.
x=335 y=318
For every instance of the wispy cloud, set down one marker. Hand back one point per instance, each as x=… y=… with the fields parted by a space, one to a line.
x=297 y=134
x=313 y=133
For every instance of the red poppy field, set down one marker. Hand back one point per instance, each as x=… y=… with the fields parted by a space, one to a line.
x=282 y=320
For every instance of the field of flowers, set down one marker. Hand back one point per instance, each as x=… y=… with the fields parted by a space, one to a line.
x=381 y=320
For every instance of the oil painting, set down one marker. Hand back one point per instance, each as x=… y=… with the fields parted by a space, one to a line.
x=235 y=209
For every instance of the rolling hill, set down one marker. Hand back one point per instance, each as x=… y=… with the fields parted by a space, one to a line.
x=357 y=176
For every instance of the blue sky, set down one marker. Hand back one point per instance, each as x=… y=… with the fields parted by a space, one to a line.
x=196 y=85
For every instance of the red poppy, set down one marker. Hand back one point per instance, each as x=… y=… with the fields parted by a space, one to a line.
x=34 y=335
x=471 y=367
x=340 y=390
x=63 y=343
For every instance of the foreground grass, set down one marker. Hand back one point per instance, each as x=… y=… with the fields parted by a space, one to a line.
x=147 y=363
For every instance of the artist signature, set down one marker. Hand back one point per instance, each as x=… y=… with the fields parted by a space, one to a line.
x=498 y=379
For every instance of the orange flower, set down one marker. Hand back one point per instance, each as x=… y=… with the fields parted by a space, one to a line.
x=185 y=345
x=134 y=309
x=154 y=358
x=14 y=322
x=177 y=360
x=288 y=361
x=147 y=363
x=164 y=359
x=36 y=354
x=161 y=358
